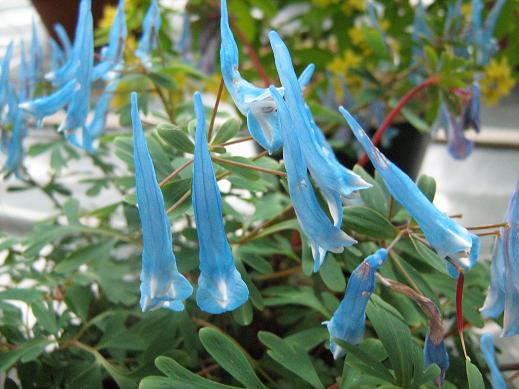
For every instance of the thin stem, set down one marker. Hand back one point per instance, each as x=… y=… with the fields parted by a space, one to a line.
x=512 y=378
x=396 y=240
x=488 y=226
x=175 y=172
x=184 y=197
x=459 y=311
x=248 y=237
x=218 y=178
x=233 y=142
x=252 y=54
x=389 y=118
x=215 y=110
x=404 y=272
x=496 y=233
x=278 y=274
x=247 y=166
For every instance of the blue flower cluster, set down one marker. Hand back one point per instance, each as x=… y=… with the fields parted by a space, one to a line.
x=481 y=39
x=72 y=73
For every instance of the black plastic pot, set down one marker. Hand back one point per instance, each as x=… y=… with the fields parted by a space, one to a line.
x=66 y=13
x=407 y=150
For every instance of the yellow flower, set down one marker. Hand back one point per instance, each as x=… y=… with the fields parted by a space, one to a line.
x=497 y=81
x=466 y=11
x=109 y=12
x=341 y=66
x=351 y=6
x=358 y=38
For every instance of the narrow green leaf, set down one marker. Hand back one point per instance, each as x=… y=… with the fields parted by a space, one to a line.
x=175 y=137
x=332 y=275
x=45 y=316
x=291 y=357
x=474 y=376
x=227 y=131
x=230 y=357
x=83 y=255
x=369 y=222
x=427 y=185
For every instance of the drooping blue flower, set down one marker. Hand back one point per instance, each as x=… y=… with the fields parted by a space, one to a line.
x=458 y=146
x=482 y=35
x=36 y=56
x=4 y=76
x=448 y=238
x=253 y=102
x=97 y=124
x=489 y=353
x=435 y=352
x=321 y=232
x=64 y=39
x=220 y=286
x=112 y=54
x=48 y=105
x=79 y=104
x=57 y=57
x=76 y=55
x=184 y=45
x=504 y=286
x=349 y=320
x=161 y=283
x=471 y=117
x=149 y=39
x=333 y=179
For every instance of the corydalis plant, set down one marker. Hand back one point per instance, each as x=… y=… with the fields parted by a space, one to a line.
x=161 y=283
x=220 y=286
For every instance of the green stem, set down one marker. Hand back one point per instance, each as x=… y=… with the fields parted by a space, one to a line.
x=250 y=167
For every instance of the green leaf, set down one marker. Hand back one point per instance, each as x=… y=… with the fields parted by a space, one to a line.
x=429 y=256
x=284 y=295
x=229 y=356
x=374 y=197
x=178 y=377
x=175 y=137
x=78 y=299
x=162 y=80
x=474 y=376
x=370 y=364
x=227 y=131
x=427 y=185
x=332 y=275
x=25 y=295
x=396 y=338
x=32 y=348
x=291 y=357
x=84 y=254
x=71 y=210
x=45 y=316
x=243 y=315
x=369 y=222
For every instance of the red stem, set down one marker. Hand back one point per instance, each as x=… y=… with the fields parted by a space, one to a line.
x=389 y=118
x=252 y=54
x=459 y=310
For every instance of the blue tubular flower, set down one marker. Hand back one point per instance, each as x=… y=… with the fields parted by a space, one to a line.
x=48 y=105
x=504 y=285
x=482 y=36
x=323 y=235
x=471 y=117
x=96 y=126
x=458 y=146
x=112 y=54
x=489 y=353
x=150 y=34
x=161 y=283
x=77 y=109
x=36 y=56
x=435 y=352
x=63 y=39
x=4 y=76
x=333 y=179
x=57 y=57
x=449 y=239
x=349 y=320
x=220 y=286
x=253 y=102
